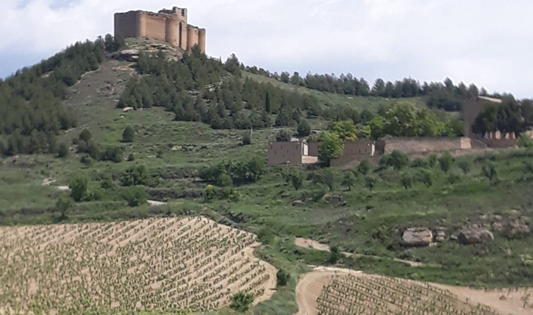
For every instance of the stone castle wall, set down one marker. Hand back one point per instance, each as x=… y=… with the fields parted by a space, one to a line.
x=168 y=25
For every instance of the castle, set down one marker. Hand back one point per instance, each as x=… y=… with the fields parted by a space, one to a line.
x=167 y=25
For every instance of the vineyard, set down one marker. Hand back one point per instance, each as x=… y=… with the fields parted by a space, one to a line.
x=171 y=265
x=349 y=294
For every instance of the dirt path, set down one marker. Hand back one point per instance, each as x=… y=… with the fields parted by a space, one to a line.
x=307 y=243
x=505 y=302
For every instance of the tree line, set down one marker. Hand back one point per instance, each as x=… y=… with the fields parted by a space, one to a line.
x=510 y=117
x=30 y=100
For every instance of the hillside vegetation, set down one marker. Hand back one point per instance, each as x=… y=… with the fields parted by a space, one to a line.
x=197 y=143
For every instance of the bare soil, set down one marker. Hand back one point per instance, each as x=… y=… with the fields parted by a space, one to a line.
x=504 y=302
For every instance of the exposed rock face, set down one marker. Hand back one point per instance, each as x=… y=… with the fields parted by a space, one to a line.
x=475 y=235
x=440 y=234
x=515 y=227
x=417 y=237
x=130 y=55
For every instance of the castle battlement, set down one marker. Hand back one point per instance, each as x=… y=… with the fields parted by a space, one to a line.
x=166 y=25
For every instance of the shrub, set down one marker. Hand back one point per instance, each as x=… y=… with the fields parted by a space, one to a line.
x=246 y=138
x=63 y=206
x=454 y=179
x=370 y=182
x=86 y=160
x=304 y=129
x=407 y=180
x=63 y=150
x=349 y=180
x=135 y=196
x=364 y=167
x=385 y=161
x=78 y=188
x=334 y=255
x=425 y=177
x=223 y=180
x=445 y=162
x=241 y=302
x=135 y=176
x=85 y=135
x=464 y=166
x=398 y=160
x=421 y=163
x=432 y=160
x=283 y=136
x=114 y=154
x=128 y=134
x=489 y=171
x=282 y=277
x=524 y=141
x=131 y=157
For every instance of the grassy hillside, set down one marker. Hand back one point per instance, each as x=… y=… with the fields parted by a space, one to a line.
x=361 y=220
x=360 y=103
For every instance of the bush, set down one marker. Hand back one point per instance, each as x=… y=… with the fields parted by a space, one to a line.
x=131 y=157
x=407 y=180
x=445 y=162
x=398 y=160
x=78 y=188
x=113 y=154
x=334 y=255
x=223 y=180
x=282 y=277
x=349 y=180
x=135 y=196
x=63 y=150
x=432 y=160
x=86 y=160
x=364 y=167
x=524 y=141
x=464 y=166
x=370 y=182
x=283 y=136
x=63 y=206
x=304 y=129
x=85 y=135
x=425 y=177
x=128 y=134
x=421 y=163
x=241 y=302
x=489 y=171
x=246 y=138
x=454 y=179
x=135 y=176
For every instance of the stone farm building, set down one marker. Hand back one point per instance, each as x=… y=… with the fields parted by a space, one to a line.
x=170 y=26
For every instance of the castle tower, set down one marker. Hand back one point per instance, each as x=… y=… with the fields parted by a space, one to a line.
x=201 y=40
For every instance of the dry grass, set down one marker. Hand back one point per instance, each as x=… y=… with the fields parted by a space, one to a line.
x=157 y=264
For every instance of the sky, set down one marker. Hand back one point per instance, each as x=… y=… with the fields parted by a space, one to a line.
x=486 y=42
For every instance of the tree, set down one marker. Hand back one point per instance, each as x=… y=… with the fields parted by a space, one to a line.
x=247 y=138
x=282 y=278
x=402 y=120
x=63 y=150
x=464 y=166
x=128 y=134
x=135 y=196
x=489 y=171
x=370 y=182
x=78 y=188
x=331 y=147
x=445 y=162
x=63 y=206
x=346 y=130
x=135 y=176
x=283 y=136
x=432 y=160
x=131 y=157
x=85 y=135
x=377 y=127
x=224 y=180
x=349 y=180
x=425 y=177
x=398 y=160
x=407 y=180
x=524 y=141
x=304 y=129
x=364 y=167
x=241 y=302
x=326 y=177
x=453 y=179
x=334 y=255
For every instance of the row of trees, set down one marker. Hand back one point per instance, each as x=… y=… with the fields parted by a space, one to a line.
x=445 y=95
x=30 y=100
x=510 y=117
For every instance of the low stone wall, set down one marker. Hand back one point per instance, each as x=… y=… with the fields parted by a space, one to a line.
x=411 y=146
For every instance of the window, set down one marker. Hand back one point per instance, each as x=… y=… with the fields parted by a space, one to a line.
x=182 y=12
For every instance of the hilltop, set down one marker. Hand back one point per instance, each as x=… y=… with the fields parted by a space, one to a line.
x=173 y=128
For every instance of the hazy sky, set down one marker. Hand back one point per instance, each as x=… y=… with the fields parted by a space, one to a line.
x=487 y=42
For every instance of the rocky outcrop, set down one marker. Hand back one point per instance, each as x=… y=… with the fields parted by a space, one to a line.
x=130 y=55
x=417 y=237
x=515 y=228
x=440 y=234
x=475 y=235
